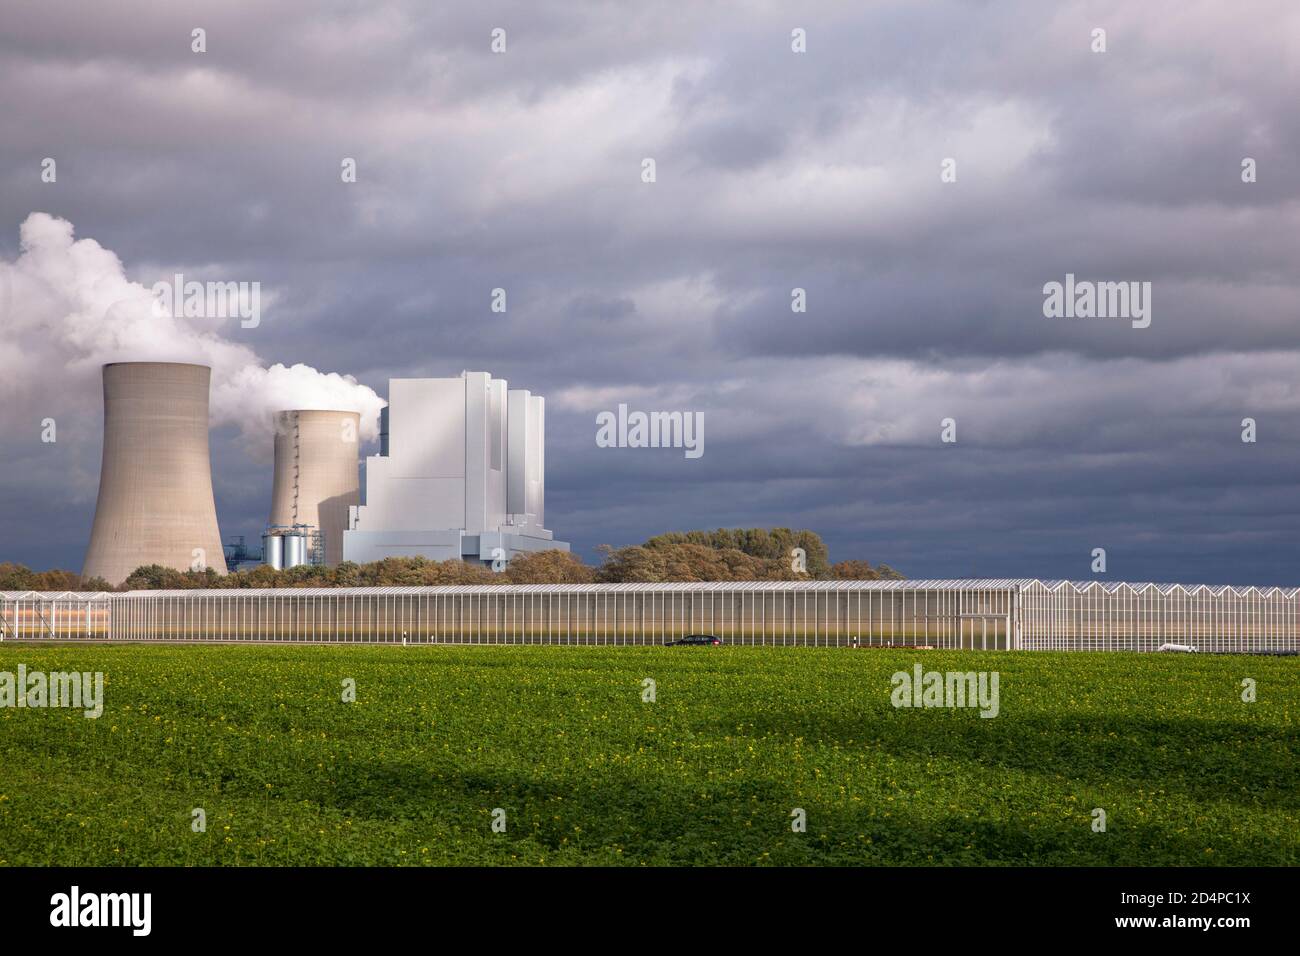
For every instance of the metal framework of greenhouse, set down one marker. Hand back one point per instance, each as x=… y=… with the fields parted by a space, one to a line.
x=1019 y=614
x=1010 y=614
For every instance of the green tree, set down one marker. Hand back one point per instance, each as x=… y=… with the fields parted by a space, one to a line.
x=772 y=544
x=854 y=571
x=548 y=567
x=16 y=577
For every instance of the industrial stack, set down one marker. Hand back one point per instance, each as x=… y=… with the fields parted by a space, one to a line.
x=316 y=482
x=155 y=501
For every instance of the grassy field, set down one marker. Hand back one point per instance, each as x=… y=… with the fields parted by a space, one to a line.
x=588 y=773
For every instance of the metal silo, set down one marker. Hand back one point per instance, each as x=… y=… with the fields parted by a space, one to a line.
x=273 y=550
x=316 y=476
x=155 y=501
x=295 y=549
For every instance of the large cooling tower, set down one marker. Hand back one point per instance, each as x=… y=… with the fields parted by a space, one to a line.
x=155 y=483
x=316 y=476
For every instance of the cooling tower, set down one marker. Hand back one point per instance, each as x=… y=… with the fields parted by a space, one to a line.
x=316 y=476
x=155 y=482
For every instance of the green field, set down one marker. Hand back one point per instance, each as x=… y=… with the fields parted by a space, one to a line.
x=587 y=773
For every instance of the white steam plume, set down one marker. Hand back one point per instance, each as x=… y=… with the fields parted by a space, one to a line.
x=66 y=308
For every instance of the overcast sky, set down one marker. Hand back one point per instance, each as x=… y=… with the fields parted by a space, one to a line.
x=775 y=170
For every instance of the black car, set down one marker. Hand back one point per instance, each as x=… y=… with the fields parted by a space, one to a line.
x=694 y=639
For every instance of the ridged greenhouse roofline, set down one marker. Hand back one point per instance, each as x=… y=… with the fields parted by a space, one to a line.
x=944 y=584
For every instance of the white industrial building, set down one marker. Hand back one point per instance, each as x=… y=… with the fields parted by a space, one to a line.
x=461 y=473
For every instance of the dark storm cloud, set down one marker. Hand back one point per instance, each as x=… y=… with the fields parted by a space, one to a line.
x=775 y=171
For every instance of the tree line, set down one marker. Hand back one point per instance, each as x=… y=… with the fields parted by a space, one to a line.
x=727 y=554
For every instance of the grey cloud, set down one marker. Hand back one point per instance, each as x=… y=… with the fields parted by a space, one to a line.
x=776 y=170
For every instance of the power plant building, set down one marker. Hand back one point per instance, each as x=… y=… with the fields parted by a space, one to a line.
x=155 y=502
x=460 y=474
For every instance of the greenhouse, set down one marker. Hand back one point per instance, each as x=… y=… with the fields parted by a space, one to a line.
x=1008 y=614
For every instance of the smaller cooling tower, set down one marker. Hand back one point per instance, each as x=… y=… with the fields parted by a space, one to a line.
x=316 y=474
x=155 y=483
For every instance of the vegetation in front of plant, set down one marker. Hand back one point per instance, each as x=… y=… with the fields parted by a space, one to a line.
x=585 y=763
x=728 y=554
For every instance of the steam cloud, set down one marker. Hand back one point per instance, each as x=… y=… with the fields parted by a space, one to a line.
x=67 y=308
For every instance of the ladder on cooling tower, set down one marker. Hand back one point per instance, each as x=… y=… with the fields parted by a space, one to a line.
x=297 y=465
